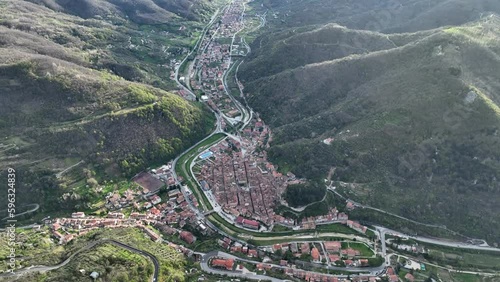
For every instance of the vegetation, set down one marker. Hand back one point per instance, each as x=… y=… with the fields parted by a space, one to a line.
x=410 y=125
x=111 y=262
x=298 y=195
x=184 y=162
x=85 y=94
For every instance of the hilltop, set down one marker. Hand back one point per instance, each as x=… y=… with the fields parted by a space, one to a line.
x=413 y=126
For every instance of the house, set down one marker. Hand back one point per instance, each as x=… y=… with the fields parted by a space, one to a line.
x=155 y=199
x=174 y=193
x=334 y=258
x=342 y=217
x=393 y=278
x=187 y=237
x=116 y=215
x=283 y=262
x=276 y=247
x=349 y=253
x=252 y=224
x=305 y=249
x=227 y=264
x=315 y=254
x=78 y=215
x=333 y=246
x=56 y=226
x=390 y=271
x=410 y=264
x=350 y=205
x=253 y=253
x=58 y=236
x=409 y=277
x=67 y=238
x=152 y=235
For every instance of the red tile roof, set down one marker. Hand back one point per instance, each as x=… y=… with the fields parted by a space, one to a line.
x=224 y=263
x=315 y=254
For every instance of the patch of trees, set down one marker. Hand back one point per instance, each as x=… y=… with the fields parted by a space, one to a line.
x=305 y=193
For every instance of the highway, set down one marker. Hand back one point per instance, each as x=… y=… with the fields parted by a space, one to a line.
x=440 y=242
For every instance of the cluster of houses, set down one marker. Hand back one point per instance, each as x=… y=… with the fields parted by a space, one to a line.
x=241 y=179
x=66 y=229
x=329 y=252
x=236 y=247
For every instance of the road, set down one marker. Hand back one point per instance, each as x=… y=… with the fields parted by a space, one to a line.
x=198 y=42
x=35 y=208
x=247 y=113
x=213 y=254
x=254 y=276
x=43 y=268
x=440 y=242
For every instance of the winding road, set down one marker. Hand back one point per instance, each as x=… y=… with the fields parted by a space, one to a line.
x=43 y=268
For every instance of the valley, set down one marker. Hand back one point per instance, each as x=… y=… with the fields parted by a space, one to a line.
x=223 y=198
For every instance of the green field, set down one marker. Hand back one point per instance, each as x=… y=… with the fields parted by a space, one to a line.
x=361 y=247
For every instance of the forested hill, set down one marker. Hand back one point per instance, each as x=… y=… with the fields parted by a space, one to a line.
x=409 y=122
x=86 y=83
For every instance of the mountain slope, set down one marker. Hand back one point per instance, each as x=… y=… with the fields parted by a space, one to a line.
x=139 y=11
x=414 y=128
x=288 y=49
x=80 y=93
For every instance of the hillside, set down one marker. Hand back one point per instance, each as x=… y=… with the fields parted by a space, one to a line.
x=414 y=127
x=113 y=263
x=88 y=94
x=139 y=11
x=282 y=50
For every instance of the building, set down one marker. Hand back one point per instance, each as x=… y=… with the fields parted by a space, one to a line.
x=315 y=254
x=152 y=235
x=305 y=249
x=227 y=264
x=409 y=277
x=187 y=237
x=412 y=265
x=333 y=246
x=393 y=278
x=252 y=224
x=78 y=215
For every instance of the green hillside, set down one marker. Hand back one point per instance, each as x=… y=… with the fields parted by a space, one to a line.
x=86 y=100
x=291 y=48
x=414 y=127
x=139 y=11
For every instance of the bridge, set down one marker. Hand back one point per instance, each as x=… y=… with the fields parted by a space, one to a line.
x=207 y=213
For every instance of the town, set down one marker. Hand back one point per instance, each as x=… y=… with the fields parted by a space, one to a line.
x=233 y=179
x=240 y=185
